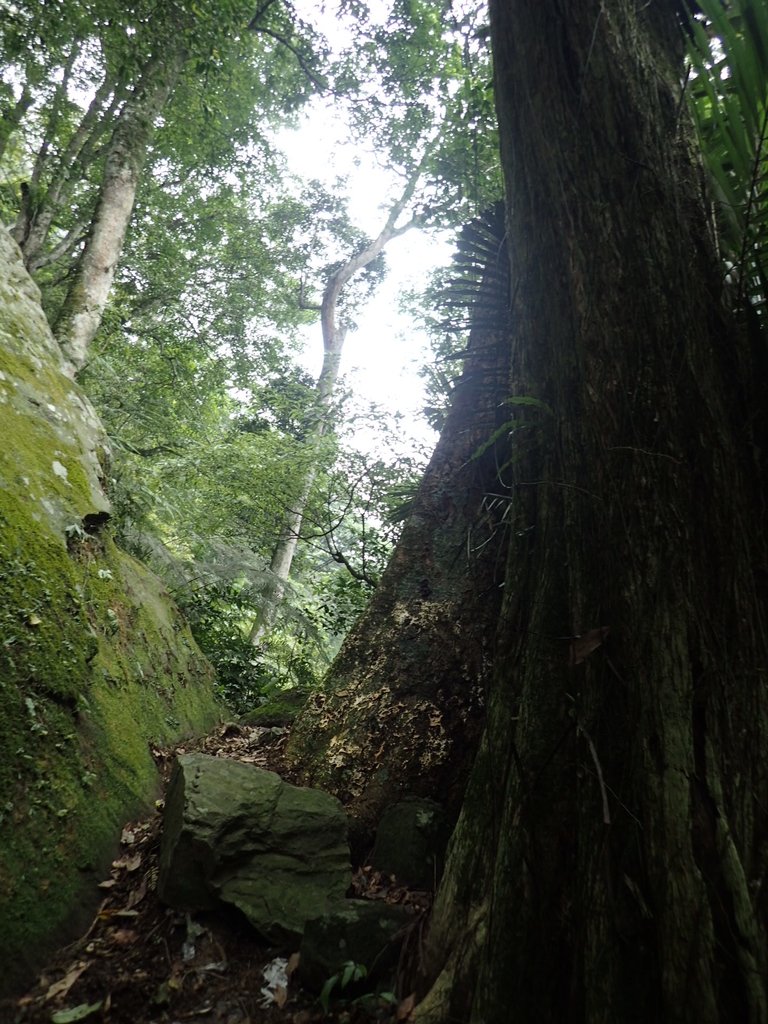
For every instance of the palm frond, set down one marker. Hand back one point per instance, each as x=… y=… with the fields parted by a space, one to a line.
x=478 y=289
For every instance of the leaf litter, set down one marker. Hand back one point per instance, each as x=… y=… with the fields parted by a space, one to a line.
x=140 y=962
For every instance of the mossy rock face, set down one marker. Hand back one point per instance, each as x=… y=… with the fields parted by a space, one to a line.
x=281 y=710
x=95 y=661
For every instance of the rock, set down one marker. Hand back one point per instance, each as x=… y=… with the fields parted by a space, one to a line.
x=239 y=835
x=364 y=931
x=411 y=841
x=95 y=660
x=280 y=711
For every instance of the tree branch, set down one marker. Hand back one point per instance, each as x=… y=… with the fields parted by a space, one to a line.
x=319 y=83
x=390 y=230
x=70 y=240
x=360 y=575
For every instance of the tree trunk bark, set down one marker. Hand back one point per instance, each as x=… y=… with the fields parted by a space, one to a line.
x=403 y=708
x=610 y=861
x=86 y=300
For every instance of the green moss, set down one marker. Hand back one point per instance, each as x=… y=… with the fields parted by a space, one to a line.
x=95 y=662
x=282 y=710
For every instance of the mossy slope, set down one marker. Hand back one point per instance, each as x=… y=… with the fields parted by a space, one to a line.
x=95 y=662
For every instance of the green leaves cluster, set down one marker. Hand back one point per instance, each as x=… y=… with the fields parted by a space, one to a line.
x=729 y=91
x=195 y=368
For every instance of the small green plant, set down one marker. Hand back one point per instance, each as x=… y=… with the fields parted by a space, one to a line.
x=349 y=973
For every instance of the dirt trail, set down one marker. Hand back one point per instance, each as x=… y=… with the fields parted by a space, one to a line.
x=143 y=963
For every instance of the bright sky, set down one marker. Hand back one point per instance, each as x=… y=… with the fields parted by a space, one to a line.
x=381 y=358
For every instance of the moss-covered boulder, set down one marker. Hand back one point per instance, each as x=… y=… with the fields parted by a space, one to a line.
x=237 y=835
x=281 y=710
x=95 y=661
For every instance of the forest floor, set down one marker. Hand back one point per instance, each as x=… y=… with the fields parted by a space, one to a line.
x=141 y=962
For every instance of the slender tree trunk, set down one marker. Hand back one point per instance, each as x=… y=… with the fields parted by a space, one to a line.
x=403 y=708
x=71 y=167
x=323 y=413
x=32 y=192
x=86 y=300
x=290 y=531
x=610 y=861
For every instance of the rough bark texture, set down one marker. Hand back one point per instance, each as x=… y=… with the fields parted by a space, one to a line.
x=86 y=301
x=610 y=860
x=404 y=704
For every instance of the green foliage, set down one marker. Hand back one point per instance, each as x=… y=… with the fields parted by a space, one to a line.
x=729 y=92
x=81 y=69
x=193 y=371
x=349 y=974
x=420 y=78
x=217 y=615
x=250 y=677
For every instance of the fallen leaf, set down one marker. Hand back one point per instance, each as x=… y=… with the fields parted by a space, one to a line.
x=107 y=883
x=76 y=1013
x=582 y=646
x=405 y=1008
x=280 y=996
x=124 y=936
x=60 y=988
x=138 y=894
x=127 y=837
x=293 y=962
x=132 y=863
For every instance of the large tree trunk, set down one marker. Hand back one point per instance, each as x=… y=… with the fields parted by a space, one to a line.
x=610 y=861
x=84 y=306
x=403 y=709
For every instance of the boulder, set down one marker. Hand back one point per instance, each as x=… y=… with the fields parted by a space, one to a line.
x=96 y=663
x=238 y=835
x=411 y=841
x=281 y=710
x=364 y=931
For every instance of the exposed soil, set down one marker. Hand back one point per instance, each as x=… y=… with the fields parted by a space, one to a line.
x=143 y=963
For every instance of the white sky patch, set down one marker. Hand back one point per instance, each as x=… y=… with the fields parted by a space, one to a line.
x=382 y=357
